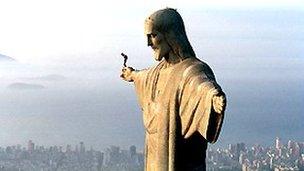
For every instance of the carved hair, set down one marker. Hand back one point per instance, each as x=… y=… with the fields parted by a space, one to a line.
x=169 y=22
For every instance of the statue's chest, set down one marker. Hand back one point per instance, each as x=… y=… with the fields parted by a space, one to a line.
x=162 y=82
x=157 y=106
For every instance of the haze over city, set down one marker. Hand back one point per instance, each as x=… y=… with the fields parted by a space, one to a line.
x=63 y=85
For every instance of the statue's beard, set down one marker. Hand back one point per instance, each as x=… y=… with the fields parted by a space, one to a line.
x=157 y=55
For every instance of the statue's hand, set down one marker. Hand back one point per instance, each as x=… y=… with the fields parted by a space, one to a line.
x=127 y=74
x=219 y=103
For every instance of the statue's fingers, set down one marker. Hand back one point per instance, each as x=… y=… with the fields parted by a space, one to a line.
x=223 y=102
x=215 y=103
x=220 y=109
x=216 y=106
x=217 y=110
x=220 y=106
x=218 y=101
x=224 y=99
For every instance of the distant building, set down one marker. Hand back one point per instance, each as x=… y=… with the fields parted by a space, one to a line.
x=30 y=146
x=68 y=148
x=278 y=143
x=132 y=150
x=241 y=158
x=82 y=147
x=111 y=156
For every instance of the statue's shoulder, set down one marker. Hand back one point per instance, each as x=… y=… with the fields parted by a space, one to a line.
x=196 y=63
x=196 y=66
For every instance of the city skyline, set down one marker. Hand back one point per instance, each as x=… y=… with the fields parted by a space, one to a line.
x=39 y=157
x=278 y=142
x=282 y=154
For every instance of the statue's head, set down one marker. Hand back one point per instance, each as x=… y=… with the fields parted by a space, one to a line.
x=166 y=33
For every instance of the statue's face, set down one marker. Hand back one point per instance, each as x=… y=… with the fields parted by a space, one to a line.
x=156 y=40
x=159 y=44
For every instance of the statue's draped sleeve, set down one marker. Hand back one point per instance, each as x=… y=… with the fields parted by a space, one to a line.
x=196 y=91
x=145 y=87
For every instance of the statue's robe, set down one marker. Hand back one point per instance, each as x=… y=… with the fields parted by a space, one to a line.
x=178 y=116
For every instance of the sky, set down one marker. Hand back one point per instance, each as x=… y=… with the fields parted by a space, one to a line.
x=36 y=30
x=71 y=50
